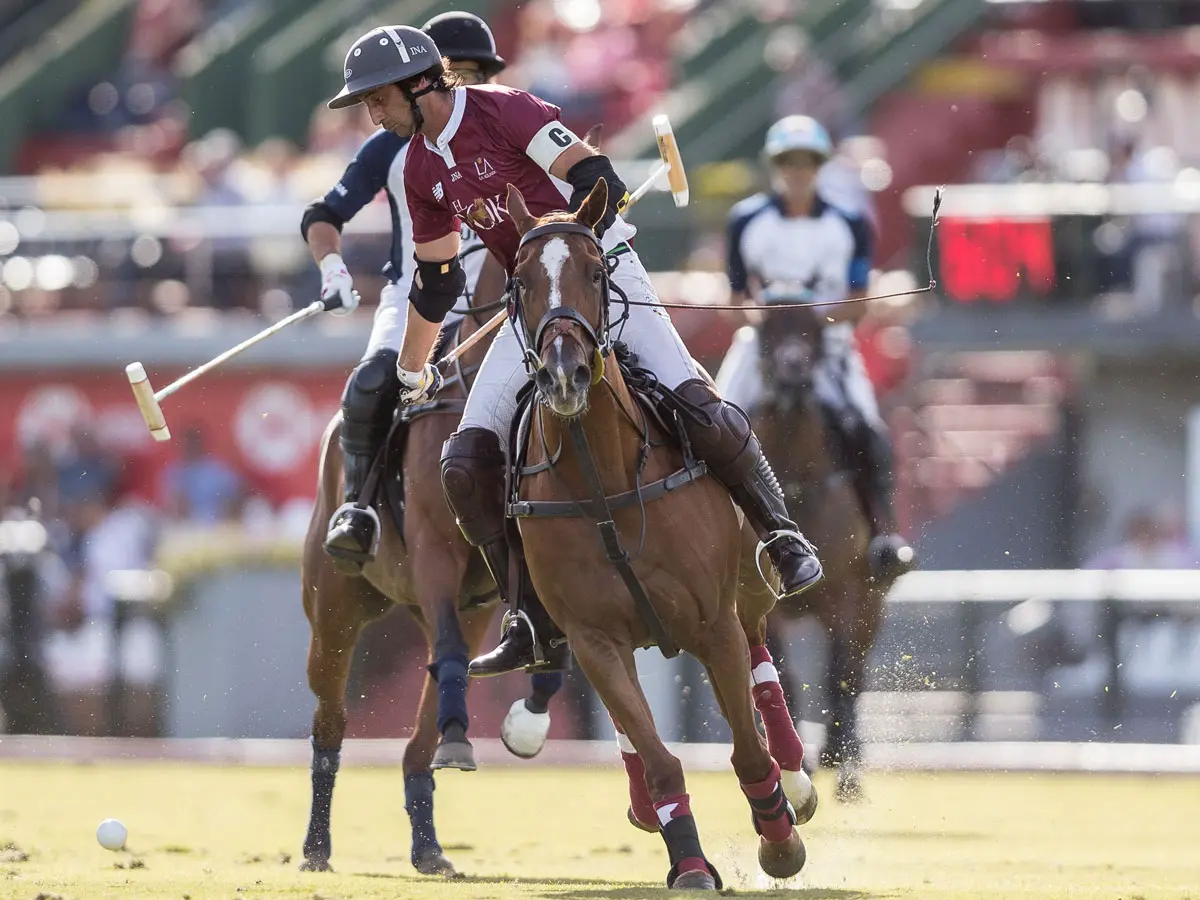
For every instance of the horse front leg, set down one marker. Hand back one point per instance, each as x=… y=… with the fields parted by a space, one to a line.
x=850 y=646
x=781 y=853
x=610 y=667
x=426 y=852
x=754 y=602
x=337 y=608
x=439 y=565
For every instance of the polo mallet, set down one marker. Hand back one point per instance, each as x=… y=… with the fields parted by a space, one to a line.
x=671 y=164
x=149 y=400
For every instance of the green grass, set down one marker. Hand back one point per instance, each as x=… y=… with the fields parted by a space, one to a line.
x=208 y=832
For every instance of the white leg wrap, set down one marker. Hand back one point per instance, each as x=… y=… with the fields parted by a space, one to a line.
x=524 y=732
x=764 y=672
x=625 y=744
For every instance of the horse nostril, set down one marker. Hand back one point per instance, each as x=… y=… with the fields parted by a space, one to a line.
x=582 y=377
x=544 y=380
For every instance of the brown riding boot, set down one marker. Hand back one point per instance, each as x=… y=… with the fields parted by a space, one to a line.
x=731 y=451
x=473 y=479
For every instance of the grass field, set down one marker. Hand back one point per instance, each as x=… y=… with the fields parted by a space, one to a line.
x=200 y=832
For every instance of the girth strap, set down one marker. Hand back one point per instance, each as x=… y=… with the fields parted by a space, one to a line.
x=573 y=509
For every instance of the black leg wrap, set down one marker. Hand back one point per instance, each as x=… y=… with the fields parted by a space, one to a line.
x=317 y=843
x=683 y=842
x=768 y=809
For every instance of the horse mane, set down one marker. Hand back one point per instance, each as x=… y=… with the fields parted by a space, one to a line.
x=556 y=216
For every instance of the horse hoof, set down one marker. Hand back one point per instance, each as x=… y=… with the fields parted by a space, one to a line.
x=434 y=862
x=454 y=755
x=782 y=859
x=524 y=732
x=801 y=792
x=638 y=824
x=695 y=880
x=316 y=864
x=848 y=785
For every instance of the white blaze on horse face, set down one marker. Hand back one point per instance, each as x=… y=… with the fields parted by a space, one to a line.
x=554 y=254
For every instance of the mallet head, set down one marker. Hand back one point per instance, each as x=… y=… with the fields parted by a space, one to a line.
x=668 y=149
x=147 y=402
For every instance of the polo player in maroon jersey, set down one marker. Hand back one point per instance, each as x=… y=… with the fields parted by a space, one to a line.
x=469 y=144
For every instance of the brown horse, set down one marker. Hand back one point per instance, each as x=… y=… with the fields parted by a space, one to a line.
x=590 y=437
x=447 y=588
x=850 y=603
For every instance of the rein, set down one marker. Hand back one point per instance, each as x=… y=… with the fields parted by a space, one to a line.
x=937 y=203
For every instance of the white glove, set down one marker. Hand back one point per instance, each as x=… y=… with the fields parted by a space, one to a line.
x=419 y=387
x=337 y=287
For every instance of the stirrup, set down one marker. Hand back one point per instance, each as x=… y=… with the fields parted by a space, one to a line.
x=538 y=658
x=776 y=535
x=523 y=616
x=370 y=511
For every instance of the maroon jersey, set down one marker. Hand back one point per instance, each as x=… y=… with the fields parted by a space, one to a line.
x=496 y=136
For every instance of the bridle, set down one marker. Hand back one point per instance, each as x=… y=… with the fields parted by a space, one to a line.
x=531 y=344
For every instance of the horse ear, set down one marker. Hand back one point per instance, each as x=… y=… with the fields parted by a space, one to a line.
x=592 y=138
x=518 y=211
x=591 y=211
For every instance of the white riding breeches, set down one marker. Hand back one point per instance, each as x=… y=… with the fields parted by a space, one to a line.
x=387 y=332
x=840 y=379
x=649 y=332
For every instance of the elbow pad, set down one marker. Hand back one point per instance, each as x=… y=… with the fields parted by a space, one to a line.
x=583 y=177
x=319 y=211
x=436 y=288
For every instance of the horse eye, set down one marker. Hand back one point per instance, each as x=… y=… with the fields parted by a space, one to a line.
x=597 y=276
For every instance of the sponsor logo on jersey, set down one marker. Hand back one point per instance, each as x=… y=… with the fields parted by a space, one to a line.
x=483 y=168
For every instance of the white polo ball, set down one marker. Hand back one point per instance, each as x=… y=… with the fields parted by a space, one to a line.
x=112 y=833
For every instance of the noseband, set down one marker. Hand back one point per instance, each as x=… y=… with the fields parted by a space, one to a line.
x=532 y=344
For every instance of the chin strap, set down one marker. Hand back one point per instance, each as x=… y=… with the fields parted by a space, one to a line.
x=418 y=116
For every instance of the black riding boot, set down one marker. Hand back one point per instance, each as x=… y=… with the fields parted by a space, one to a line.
x=473 y=479
x=367 y=405
x=734 y=457
x=889 y=553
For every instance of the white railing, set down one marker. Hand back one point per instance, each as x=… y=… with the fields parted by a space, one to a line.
x=1074 y=585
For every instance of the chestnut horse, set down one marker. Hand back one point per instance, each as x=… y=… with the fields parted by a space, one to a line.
x=446 y=586
x=596 y=475
x=850 y=602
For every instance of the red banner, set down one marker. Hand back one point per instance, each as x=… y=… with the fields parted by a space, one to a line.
x=265 y=424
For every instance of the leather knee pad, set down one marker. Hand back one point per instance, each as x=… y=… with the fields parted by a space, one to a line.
x=728 y=445
x=473 y=480
x=370 y=398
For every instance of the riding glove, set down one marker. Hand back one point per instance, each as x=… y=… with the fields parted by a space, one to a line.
x=337 y=287
x=419 y=387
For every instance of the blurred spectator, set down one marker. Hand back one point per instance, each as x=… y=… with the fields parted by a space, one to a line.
x=199 y=487
x=85 y=470
x=80 y=653
x=1149 y=540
